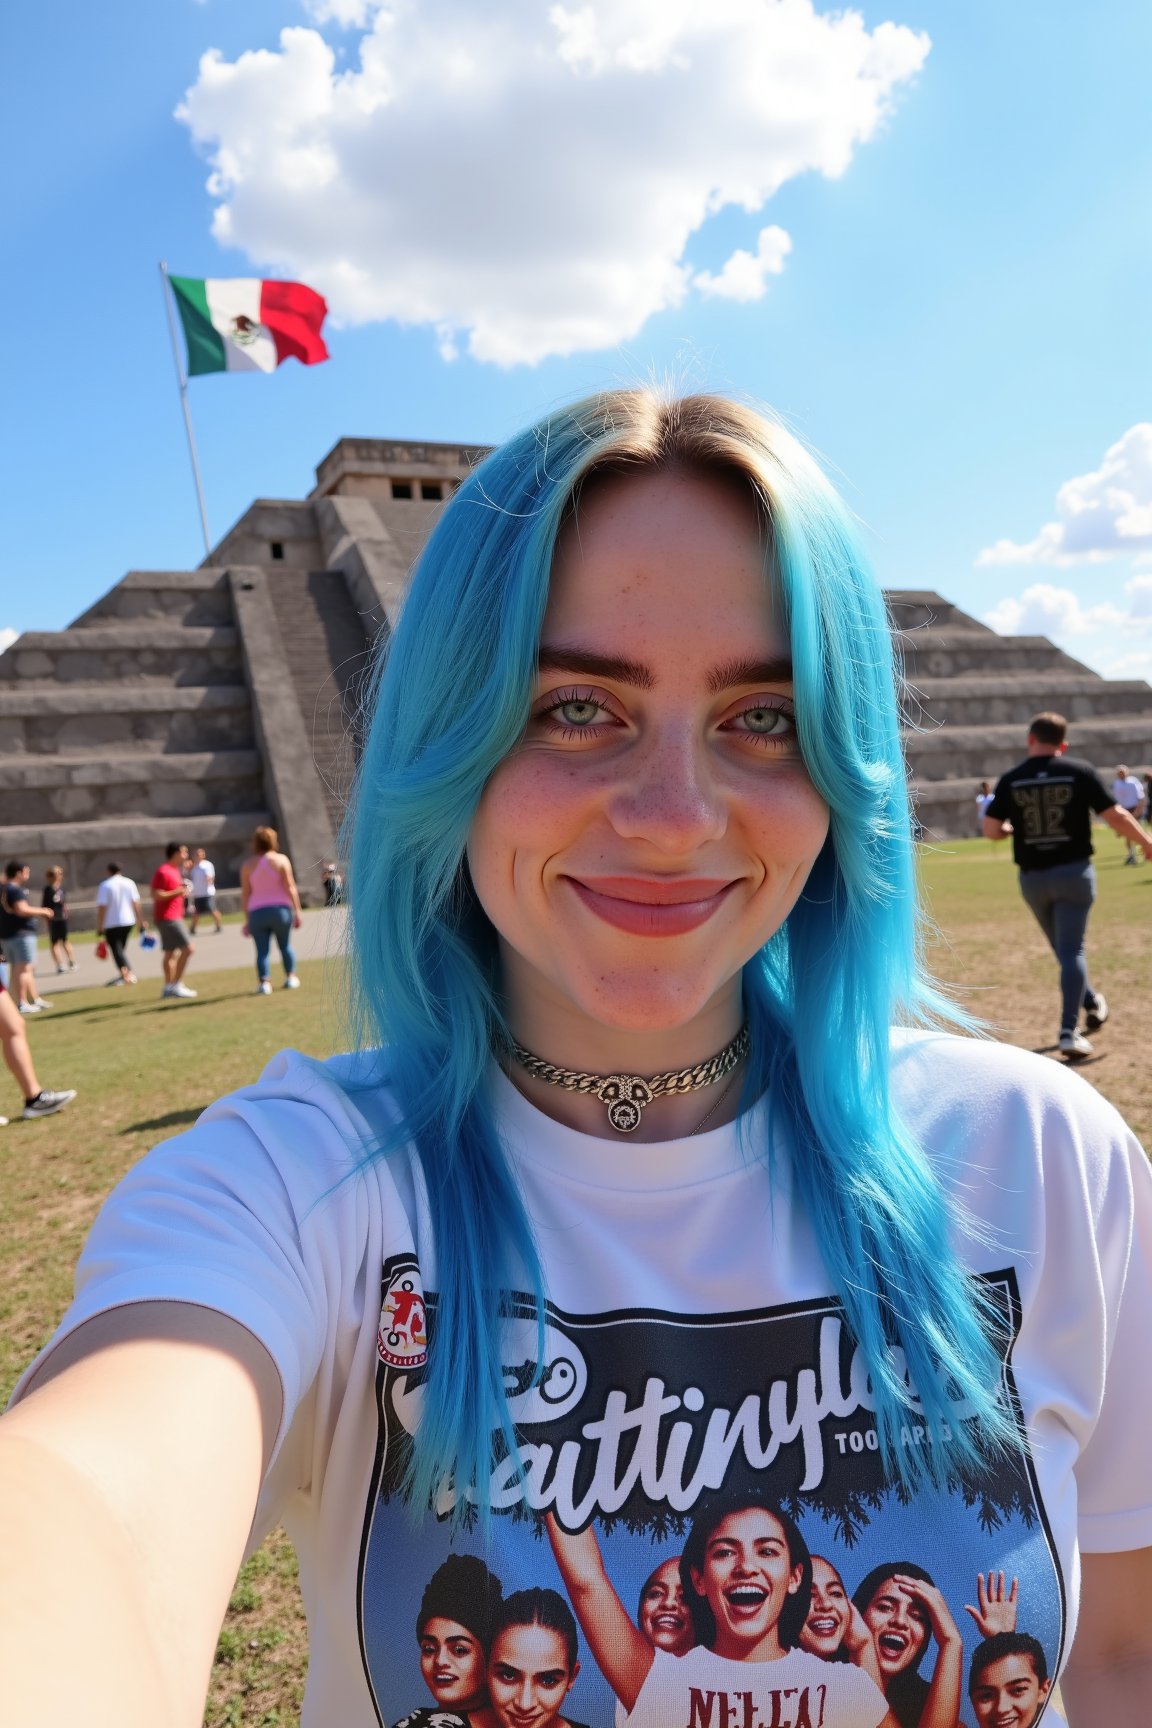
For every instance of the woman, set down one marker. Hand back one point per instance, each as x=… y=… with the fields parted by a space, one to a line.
x=634 y=911
x=905 y=1612
x=662 y=1614
x=53 y=898
x=454 y=1630
x=533 y=1663
x=747 y=1578
x=271 y=906
x=835 y=1628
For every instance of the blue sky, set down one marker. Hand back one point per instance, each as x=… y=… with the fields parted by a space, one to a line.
x=960 y=327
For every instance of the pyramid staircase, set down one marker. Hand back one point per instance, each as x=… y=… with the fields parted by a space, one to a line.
x=195 y=705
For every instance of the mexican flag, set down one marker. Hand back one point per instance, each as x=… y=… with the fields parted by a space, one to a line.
x=244 y=325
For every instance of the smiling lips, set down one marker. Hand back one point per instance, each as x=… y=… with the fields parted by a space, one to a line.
x=645 y=907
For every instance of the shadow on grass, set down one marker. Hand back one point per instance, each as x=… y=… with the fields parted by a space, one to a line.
x=174 y=1119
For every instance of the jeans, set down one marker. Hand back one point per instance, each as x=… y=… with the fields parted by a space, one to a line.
x=116 y=936
x=1060 y=900
x=264 y=923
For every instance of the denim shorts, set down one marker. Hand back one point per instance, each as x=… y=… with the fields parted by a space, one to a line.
x=20 y=950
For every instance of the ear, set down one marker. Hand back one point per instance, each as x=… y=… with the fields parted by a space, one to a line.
x=575 y=1669
x=795 y=1579
x=697 y=1580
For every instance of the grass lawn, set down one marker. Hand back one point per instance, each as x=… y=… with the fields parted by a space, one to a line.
x=145 y=1069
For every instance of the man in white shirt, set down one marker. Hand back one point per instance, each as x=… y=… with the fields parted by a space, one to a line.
x=117 y=915
x=204 y=890
x=1128 y=792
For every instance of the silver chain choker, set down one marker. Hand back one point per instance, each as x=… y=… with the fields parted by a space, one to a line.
x=627 y=1095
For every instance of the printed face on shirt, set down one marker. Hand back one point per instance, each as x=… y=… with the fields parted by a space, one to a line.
x=1007 y=1693
x=899 y=1628
x=656 y=823
x=664 y=1617
x=830 y=1615
x=452 y=1663
x=746 y=1578
x=529 y=1677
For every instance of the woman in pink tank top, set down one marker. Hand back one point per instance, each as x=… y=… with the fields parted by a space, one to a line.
x=271 y=906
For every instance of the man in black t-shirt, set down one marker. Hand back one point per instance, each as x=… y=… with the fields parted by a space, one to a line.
x=1046 y=804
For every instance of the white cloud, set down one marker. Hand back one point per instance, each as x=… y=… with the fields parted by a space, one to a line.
x=745 y=274
x=7 y=637
x=527 y=180
x=1043 y=610
x=1099 y=515
x=348 y=14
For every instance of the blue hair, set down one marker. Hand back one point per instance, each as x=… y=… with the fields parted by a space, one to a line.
x=450 y=700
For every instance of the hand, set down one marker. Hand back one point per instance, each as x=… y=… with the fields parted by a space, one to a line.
x=997 y=1607
x=244 y=930
x=931 y=1600
x=858 y=1637
x=297 y=921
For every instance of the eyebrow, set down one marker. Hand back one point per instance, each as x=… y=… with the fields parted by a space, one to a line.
x=624 y=671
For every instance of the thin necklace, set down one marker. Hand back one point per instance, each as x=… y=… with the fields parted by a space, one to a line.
x=626 y=1096
x=708 y=1115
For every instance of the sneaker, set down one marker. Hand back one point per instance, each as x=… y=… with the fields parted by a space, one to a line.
x=47 y=1104
x=292 y=982
x=131 y=979
x=1074 y=1046
x=60 y=969
x=180 y=990
x=113 y=982
x=31 y=1007
x=3 y=1121
x=40 y=1002
x=1131 y=858
x=264 y=988
x=73 y=967
x=1094 y=1018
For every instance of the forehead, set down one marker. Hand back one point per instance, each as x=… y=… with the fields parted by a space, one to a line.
x=437 y=1626
x=668 y=1572
x=752 y=1524
x=823 y=1572
x=644 y=551
x=529 y=1647
x=1006 y=1670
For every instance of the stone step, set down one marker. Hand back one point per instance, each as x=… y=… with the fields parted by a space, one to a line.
x=86 y=718
x=137 y=844
x=163 y=653
x=984 y=752
x=195 y=597
x=917 y=608
x=975 y=700
x=40 y=789
x=947 y=653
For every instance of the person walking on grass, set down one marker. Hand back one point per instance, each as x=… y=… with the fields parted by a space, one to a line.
x=54 y=898
x=118 y=913
x=204 y=891
x=1046 y=804
x=168 y=917
x=18 y=1060
x=271 y=905
x=1128 y=792
x=18 y=936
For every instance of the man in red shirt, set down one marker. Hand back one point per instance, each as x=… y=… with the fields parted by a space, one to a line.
x=168 y=917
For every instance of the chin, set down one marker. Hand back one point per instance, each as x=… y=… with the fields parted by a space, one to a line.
x=631 y=1002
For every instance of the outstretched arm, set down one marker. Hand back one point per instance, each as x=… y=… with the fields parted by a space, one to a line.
x=1109 y=1673
x=623 y=1655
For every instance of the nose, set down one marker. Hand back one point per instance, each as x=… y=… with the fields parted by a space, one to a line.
x=667 y=793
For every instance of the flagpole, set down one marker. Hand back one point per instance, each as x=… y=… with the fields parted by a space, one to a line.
x=183 y=382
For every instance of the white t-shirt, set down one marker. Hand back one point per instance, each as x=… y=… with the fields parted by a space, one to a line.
x=118 y=895
x=203 y=880
x=703 y=1688
x=1128 y=791
x=691 y=1344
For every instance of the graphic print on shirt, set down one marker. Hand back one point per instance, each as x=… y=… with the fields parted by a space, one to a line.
x=700 y=1534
